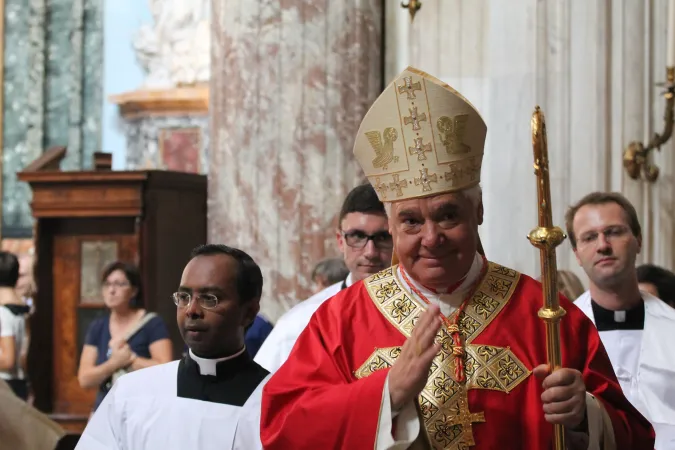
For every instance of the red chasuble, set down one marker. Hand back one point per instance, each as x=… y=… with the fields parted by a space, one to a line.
x=329 y=392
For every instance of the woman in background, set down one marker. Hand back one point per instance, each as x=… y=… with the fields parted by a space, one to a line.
x=13 y=333
x=129 y=338
x=657 y=281
x=570 y=285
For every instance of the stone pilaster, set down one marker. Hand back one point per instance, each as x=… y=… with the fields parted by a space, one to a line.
x=290 y=83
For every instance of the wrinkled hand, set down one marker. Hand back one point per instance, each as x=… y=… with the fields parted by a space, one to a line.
x=564 y=396
x=409 y=374
x=122 y=356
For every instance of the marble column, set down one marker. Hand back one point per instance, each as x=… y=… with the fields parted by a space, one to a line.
x=290 y=84
x=52 y=93
x=591 y=65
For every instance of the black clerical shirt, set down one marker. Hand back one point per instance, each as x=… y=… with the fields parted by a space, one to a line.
x=608 y=320
x=234 y=382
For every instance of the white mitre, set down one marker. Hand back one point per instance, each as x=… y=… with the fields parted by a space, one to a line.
x=420 y=138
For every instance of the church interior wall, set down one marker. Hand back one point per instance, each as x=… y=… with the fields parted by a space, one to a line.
x=591 y=65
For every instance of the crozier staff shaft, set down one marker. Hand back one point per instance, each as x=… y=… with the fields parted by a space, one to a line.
x=546 y=238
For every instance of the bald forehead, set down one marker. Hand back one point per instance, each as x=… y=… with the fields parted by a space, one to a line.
x=431 y=203
x=210 y=270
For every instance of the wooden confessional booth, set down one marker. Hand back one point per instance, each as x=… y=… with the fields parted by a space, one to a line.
x=84 y=220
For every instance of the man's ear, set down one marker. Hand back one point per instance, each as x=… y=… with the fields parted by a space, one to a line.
x=340 y=240
x=479 y=213
x=577 y=256
x=250 y=311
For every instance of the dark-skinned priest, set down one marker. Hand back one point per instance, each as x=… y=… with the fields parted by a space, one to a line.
x=443 y=350
x=210 y=399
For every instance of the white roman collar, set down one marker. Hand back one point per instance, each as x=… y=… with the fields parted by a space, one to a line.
x=208 y=366
x=456 y=297
x=349 y=280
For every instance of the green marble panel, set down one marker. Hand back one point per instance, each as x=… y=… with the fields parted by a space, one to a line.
x=59 y=83
x=53 y=92
x=22 y=109
x=92 y=86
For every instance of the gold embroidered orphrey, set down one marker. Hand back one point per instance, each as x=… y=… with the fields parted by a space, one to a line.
x=444 y=402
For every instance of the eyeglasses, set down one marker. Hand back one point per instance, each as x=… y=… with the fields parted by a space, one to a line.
x=358 y=239
x=206 y=301
x=610 y=234
x=117 y=284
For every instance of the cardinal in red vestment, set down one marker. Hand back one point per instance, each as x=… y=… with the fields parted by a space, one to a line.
x=443 y=350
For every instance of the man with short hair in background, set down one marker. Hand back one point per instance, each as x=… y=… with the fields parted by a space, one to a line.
x=329 y=271
x=636 y=327
x=366 y=245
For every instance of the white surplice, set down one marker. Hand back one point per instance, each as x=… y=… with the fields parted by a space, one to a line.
x=143 y=412
x=644 y=363
x=278 y=345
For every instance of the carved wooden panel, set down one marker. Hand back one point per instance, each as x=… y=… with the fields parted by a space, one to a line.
x=94 y=257
x=71 y=316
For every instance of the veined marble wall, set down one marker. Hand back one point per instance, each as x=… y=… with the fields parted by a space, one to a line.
x=591 y=65
x=290 y=83
x=149 y=139
x=52 y=87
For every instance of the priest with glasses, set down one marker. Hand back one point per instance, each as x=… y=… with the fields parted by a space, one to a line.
x=210 y=399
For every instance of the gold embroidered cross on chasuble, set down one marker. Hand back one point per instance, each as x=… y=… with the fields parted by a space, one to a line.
x=444 y=403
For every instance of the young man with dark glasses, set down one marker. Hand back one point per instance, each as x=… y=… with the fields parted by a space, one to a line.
x=366 y=246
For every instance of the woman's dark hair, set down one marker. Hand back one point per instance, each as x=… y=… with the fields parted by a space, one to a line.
x=9 y=269
x=362 y=199
x=133 y=276
x=662 y=279
x=249 y=276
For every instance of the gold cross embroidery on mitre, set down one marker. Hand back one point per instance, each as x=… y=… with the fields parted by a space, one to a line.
x=444 y=402
x=409 y=88
x=380 y=188
x=414 y=118
x=420 y=149
x=397 y=185
x=425 y=179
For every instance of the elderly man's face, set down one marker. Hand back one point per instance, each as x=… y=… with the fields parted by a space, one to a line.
x=436 y=238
